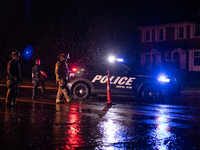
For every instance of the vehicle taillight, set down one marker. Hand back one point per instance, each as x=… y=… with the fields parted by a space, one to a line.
x=74 y=69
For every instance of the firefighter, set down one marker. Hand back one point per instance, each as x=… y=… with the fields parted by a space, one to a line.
x=13 y=77
x=62 y=78
x=38 y=79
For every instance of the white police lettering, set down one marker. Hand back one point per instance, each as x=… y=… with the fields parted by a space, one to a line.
x=121 y=87
x=111 y=78
x=97 y=77
x=104 y=79
x=122 y=80
x=116 y=80
x=129 y=82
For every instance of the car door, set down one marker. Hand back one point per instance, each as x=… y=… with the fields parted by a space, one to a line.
x=122 y=79
x=98 y=77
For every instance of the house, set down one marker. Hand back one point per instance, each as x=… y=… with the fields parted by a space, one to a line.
x=176 y=43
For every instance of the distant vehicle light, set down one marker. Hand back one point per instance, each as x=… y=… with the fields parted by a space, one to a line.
x=163 y=78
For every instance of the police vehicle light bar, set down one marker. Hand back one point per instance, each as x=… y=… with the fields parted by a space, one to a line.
x=113 y=59
x=120 y=60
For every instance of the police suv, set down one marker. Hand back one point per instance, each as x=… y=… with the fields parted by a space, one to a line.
x=123 y=81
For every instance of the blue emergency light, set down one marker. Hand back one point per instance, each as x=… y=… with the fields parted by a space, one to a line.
x=28 y=52
x=163 y=78
x=113 y=59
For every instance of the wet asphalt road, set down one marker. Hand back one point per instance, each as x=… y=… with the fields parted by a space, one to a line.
x=130 y=124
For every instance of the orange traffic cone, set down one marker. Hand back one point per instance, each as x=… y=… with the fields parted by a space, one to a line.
x=109 y=102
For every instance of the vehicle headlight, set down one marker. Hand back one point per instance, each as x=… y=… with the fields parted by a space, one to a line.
x=163 y=78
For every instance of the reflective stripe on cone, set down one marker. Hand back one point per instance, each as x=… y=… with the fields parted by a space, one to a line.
x=108 y=90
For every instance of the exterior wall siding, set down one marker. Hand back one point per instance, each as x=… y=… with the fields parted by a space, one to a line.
x=178 y=47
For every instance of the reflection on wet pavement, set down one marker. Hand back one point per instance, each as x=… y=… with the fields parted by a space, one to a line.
x=94 y=125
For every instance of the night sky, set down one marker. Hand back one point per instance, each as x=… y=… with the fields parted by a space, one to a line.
x=84 y=28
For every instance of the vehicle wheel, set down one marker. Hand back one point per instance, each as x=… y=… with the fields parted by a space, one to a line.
x=151 y=94
x=81 y=91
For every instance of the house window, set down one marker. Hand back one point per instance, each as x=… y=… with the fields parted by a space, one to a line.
x=196 y=58
x=147 y=36
x=151 y=59
x=181 y=32
x=197 y=30
x=161 y=35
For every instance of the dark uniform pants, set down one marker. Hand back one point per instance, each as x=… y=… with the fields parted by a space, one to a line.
x=13 y=90
x=63 y=90
x=38 y=82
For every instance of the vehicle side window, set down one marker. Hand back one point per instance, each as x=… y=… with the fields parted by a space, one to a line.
x=114 y=69
x=119 y=69
x=100 y=68
x=103 y=68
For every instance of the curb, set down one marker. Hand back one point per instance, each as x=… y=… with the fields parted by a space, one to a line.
x=188 y=90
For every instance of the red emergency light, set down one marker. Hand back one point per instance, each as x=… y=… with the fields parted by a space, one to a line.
x=74 y=69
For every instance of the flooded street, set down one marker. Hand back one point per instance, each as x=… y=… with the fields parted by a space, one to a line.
x=92 y=124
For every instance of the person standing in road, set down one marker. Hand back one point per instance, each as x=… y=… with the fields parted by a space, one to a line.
x=38 y=79
x=62 y=78
x=13 y=77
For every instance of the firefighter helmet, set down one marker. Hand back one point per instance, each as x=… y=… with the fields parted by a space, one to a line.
x=17 y=53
